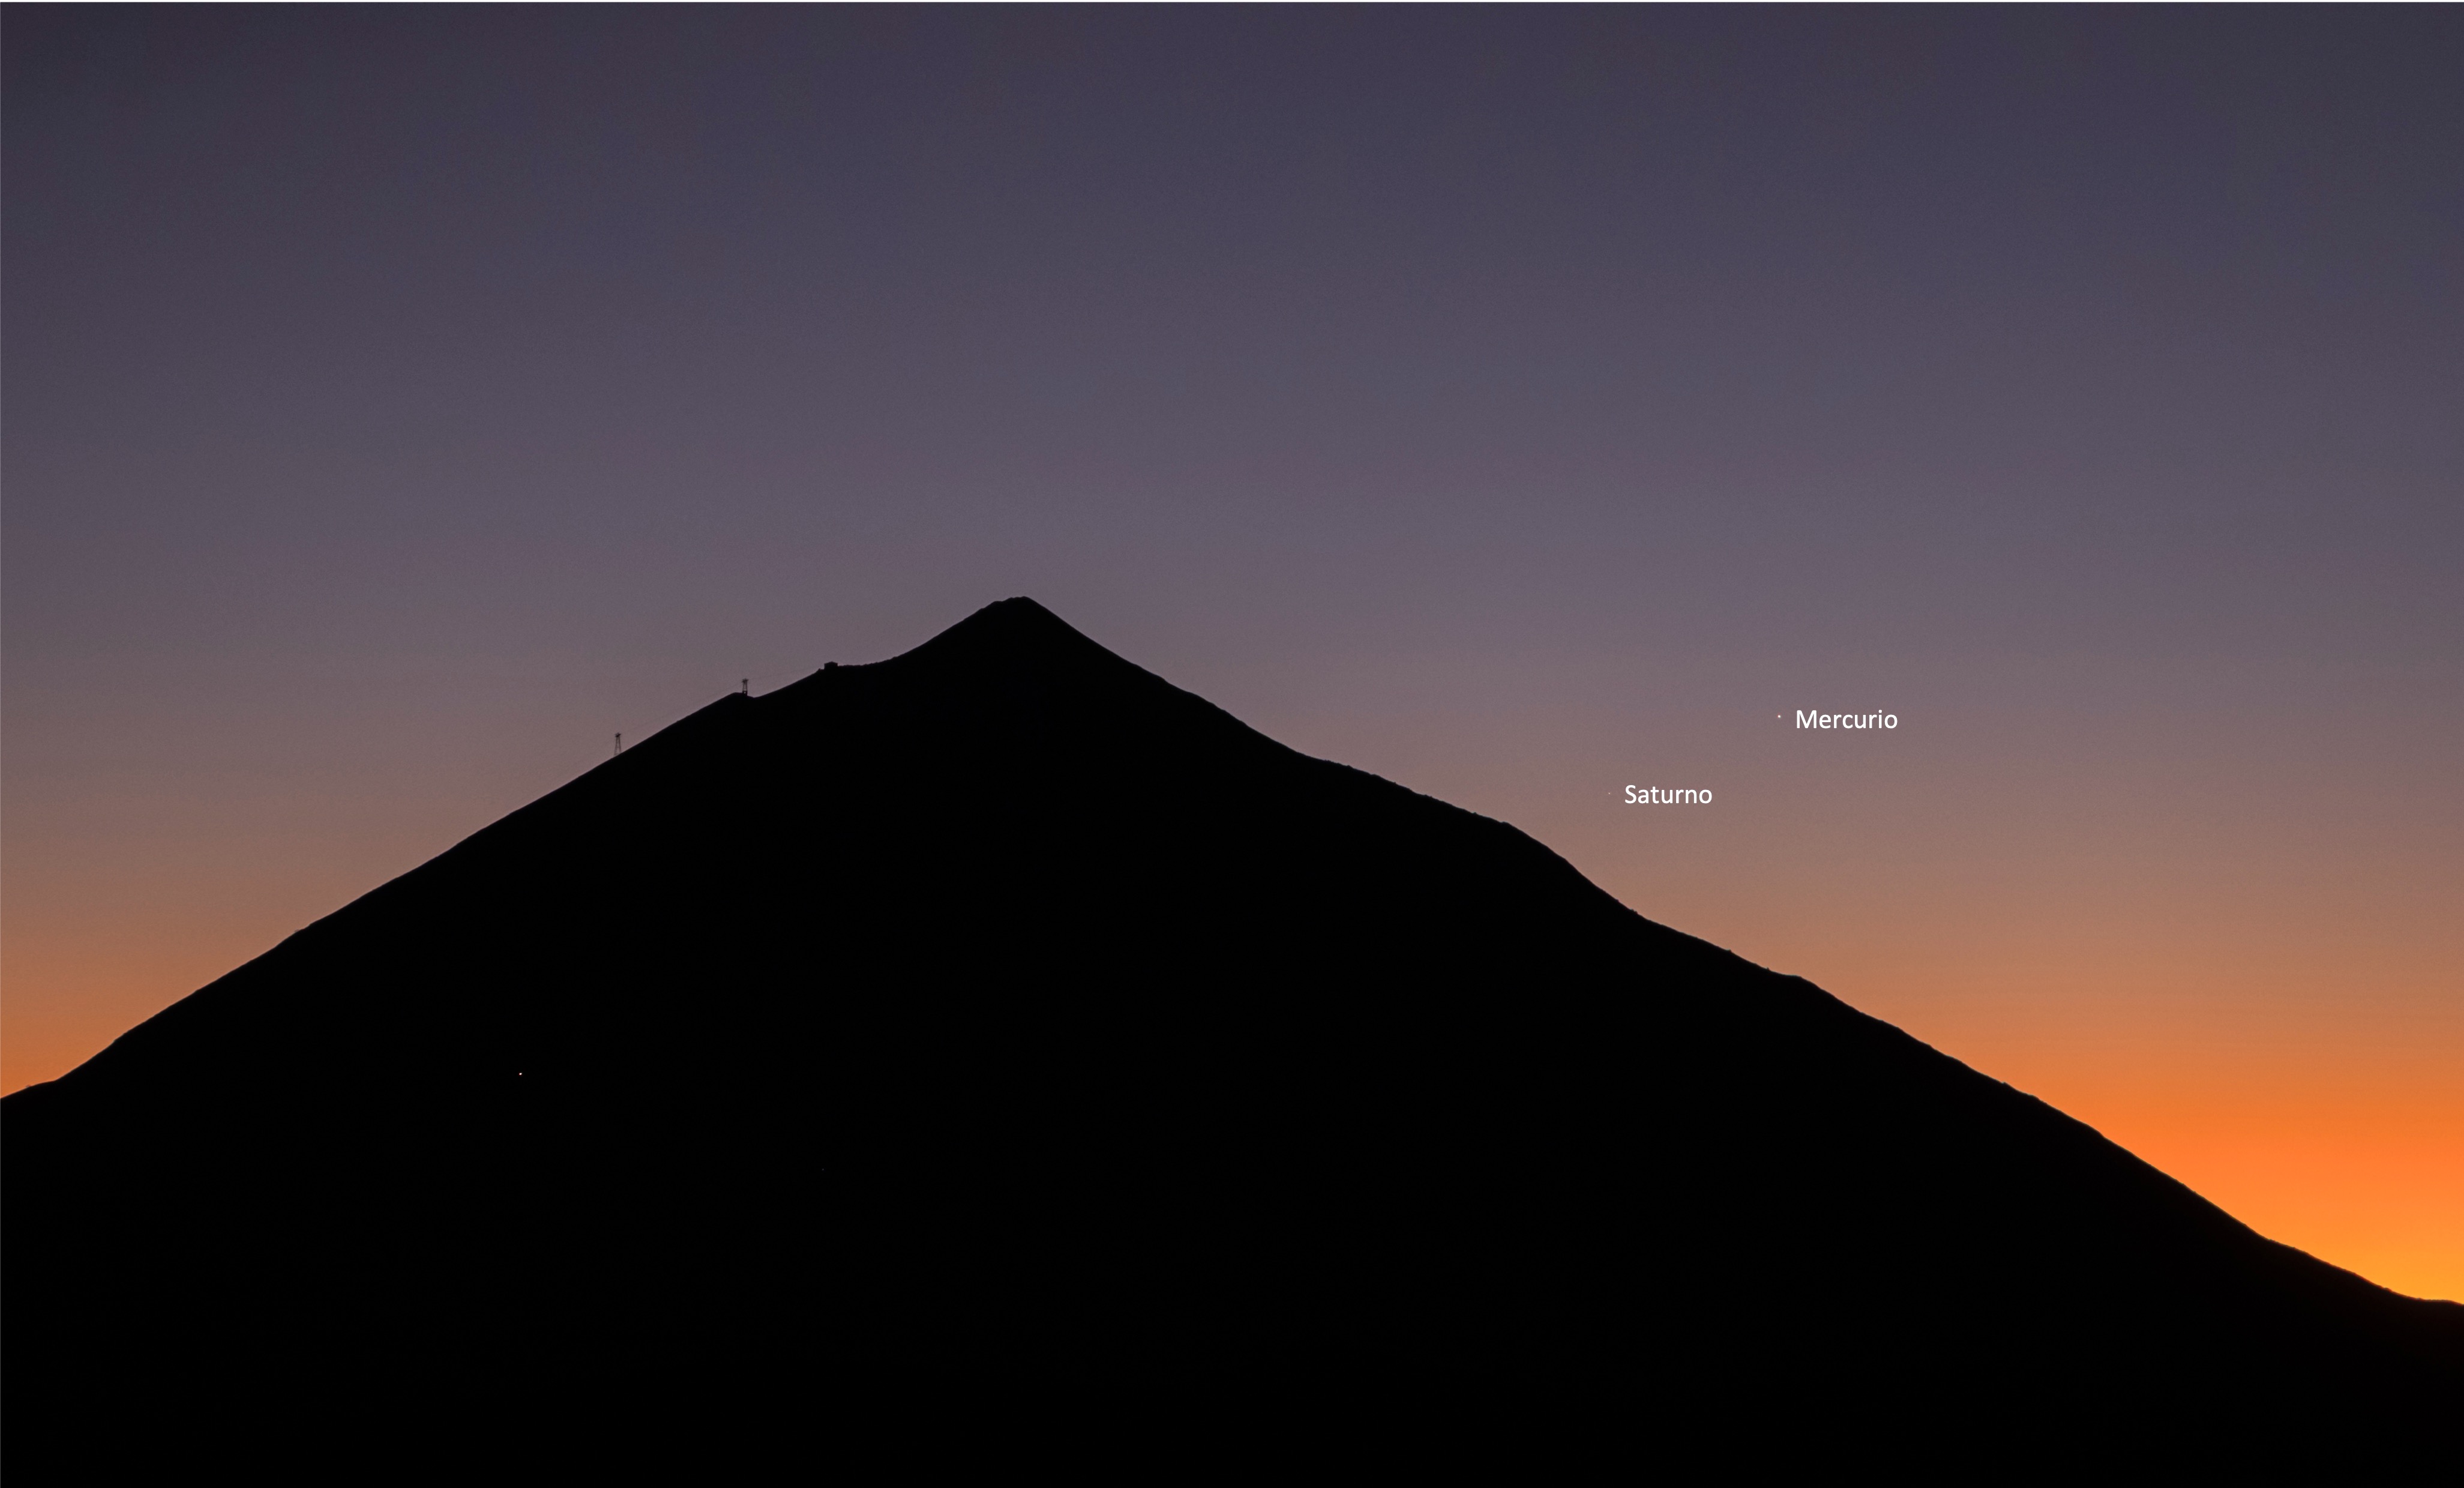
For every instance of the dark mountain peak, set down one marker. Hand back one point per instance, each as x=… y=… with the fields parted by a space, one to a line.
x=1015 y=670
x=1018 y=621
x=1010 y=634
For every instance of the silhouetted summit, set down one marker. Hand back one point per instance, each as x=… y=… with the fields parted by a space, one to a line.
x=999 y=1023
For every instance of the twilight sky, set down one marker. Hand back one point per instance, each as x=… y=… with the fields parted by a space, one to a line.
x=1520 y=405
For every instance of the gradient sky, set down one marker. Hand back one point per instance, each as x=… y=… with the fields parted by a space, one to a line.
x=1518 y=404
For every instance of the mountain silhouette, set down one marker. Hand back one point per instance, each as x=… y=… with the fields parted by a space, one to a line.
x=999 y=1024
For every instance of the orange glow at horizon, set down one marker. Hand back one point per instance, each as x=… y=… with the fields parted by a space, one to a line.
x=2350 y=1152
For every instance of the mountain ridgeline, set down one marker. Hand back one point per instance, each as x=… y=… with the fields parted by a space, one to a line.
x=998 y=1021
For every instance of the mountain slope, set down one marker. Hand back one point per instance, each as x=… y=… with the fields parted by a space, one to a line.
x=999 y=1011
